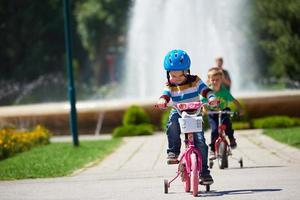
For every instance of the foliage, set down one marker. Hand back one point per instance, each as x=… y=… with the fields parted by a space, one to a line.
x=275 y=122
x=135 y=122
x=164 y=119
x=135 y=115
x=55 y=159
x=241 y=125
x=133 y=130
x=32 y=41
x=99 y=19
x=13 y=141
x=290 y=136
x=277 y=29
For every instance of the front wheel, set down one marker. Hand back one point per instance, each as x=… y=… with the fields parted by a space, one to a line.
x=194 y=174
x=223 y=157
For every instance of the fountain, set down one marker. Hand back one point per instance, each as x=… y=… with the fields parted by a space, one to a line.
x=205 y=29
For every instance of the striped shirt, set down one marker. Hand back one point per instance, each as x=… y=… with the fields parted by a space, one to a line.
x=188 y=91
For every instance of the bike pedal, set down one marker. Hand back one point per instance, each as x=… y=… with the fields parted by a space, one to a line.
x=206 y=182
x=172 y=162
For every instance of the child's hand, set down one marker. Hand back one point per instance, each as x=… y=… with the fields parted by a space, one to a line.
x=162 y=103
x=214 y=103
x=241 y=112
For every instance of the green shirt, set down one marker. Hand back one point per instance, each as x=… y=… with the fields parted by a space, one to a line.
x=223 y=95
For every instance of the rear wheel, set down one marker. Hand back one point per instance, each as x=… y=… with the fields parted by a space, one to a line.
x=207 y=188
x=241 y=162
x=194 y=174
x=187 y=183
x=166 y=186
x=186 y=179
x=211 y=164
x=223 y=157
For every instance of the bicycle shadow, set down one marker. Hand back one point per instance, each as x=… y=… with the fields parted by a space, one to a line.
x=256 y=167
x=214 y=193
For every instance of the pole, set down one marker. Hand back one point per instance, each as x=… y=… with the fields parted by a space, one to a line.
x=71 y=88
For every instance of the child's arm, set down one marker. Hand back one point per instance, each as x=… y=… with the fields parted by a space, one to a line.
x=238 y=106
x=164 y=99
x=207 y=93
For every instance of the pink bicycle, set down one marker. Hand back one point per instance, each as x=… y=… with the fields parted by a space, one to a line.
x=190 y=161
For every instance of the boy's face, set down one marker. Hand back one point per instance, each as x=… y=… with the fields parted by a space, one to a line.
x=177 y=77
x=215 y=82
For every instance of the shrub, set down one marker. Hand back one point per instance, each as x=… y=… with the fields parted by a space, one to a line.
x=164 y=119
x=275 y=122
x=241 y=125
x=135 y=122
x=133 y=130
x=135 y=115
x=13 y=141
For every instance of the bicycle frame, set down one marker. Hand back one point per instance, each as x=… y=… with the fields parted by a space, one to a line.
x=222 y=154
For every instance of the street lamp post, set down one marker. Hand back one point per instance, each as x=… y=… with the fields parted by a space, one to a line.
x=71 y=88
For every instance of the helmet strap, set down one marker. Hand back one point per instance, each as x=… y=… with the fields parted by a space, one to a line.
x=186 y=74
x=168 y=77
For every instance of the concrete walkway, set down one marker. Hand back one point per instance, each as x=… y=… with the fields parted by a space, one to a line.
x=137 y=169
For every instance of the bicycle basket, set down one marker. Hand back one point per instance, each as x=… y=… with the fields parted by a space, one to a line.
x=188 y=125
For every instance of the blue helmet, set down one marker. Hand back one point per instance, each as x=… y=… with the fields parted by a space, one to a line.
x=177 y=60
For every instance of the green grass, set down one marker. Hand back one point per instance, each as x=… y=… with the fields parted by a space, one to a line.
x=55 y=159
x=290 y=136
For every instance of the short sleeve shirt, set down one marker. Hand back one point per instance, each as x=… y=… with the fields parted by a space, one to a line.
x=223 y=95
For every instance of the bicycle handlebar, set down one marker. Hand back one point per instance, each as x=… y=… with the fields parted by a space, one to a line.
x=221 y=112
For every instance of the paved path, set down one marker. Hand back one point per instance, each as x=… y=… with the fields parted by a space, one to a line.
x=137 y=170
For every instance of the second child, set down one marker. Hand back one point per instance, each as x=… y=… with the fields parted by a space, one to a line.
x=215 y=77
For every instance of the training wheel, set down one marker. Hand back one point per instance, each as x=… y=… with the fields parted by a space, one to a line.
x=241 y=162
x=211 y=164
x=166 y=186
x=207 y=188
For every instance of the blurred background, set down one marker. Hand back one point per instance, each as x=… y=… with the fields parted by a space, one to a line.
x=119 y=46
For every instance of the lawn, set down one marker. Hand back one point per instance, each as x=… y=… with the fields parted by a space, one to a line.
x=290 y=136
x=55 y=159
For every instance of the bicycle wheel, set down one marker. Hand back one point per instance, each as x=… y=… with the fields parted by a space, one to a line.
x=223 y=157
x=187 y=183
x=166 y=186
x=194 y=174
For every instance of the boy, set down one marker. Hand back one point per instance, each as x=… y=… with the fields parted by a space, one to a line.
x=215 y=78
x=183 y=87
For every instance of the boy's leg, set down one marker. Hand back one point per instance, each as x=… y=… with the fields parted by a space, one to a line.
x=173 y=133
x=199 y=141
x=213 y=122
x=229 y=131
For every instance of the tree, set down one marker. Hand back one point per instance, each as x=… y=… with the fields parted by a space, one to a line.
x=99 y=24
x=278 y=33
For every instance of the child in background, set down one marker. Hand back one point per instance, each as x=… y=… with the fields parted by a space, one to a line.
x=183 y=87
x=215 y=77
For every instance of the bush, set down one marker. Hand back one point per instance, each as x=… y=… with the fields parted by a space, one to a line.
x=164 y=119
x=133 y=130
x=135 y=115
x=135 y=122
x=275 y=122
x=13 y=141
x=241 y=125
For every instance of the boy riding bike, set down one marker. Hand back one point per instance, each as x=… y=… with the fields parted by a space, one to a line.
x=215 y=77
x=184 y=87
